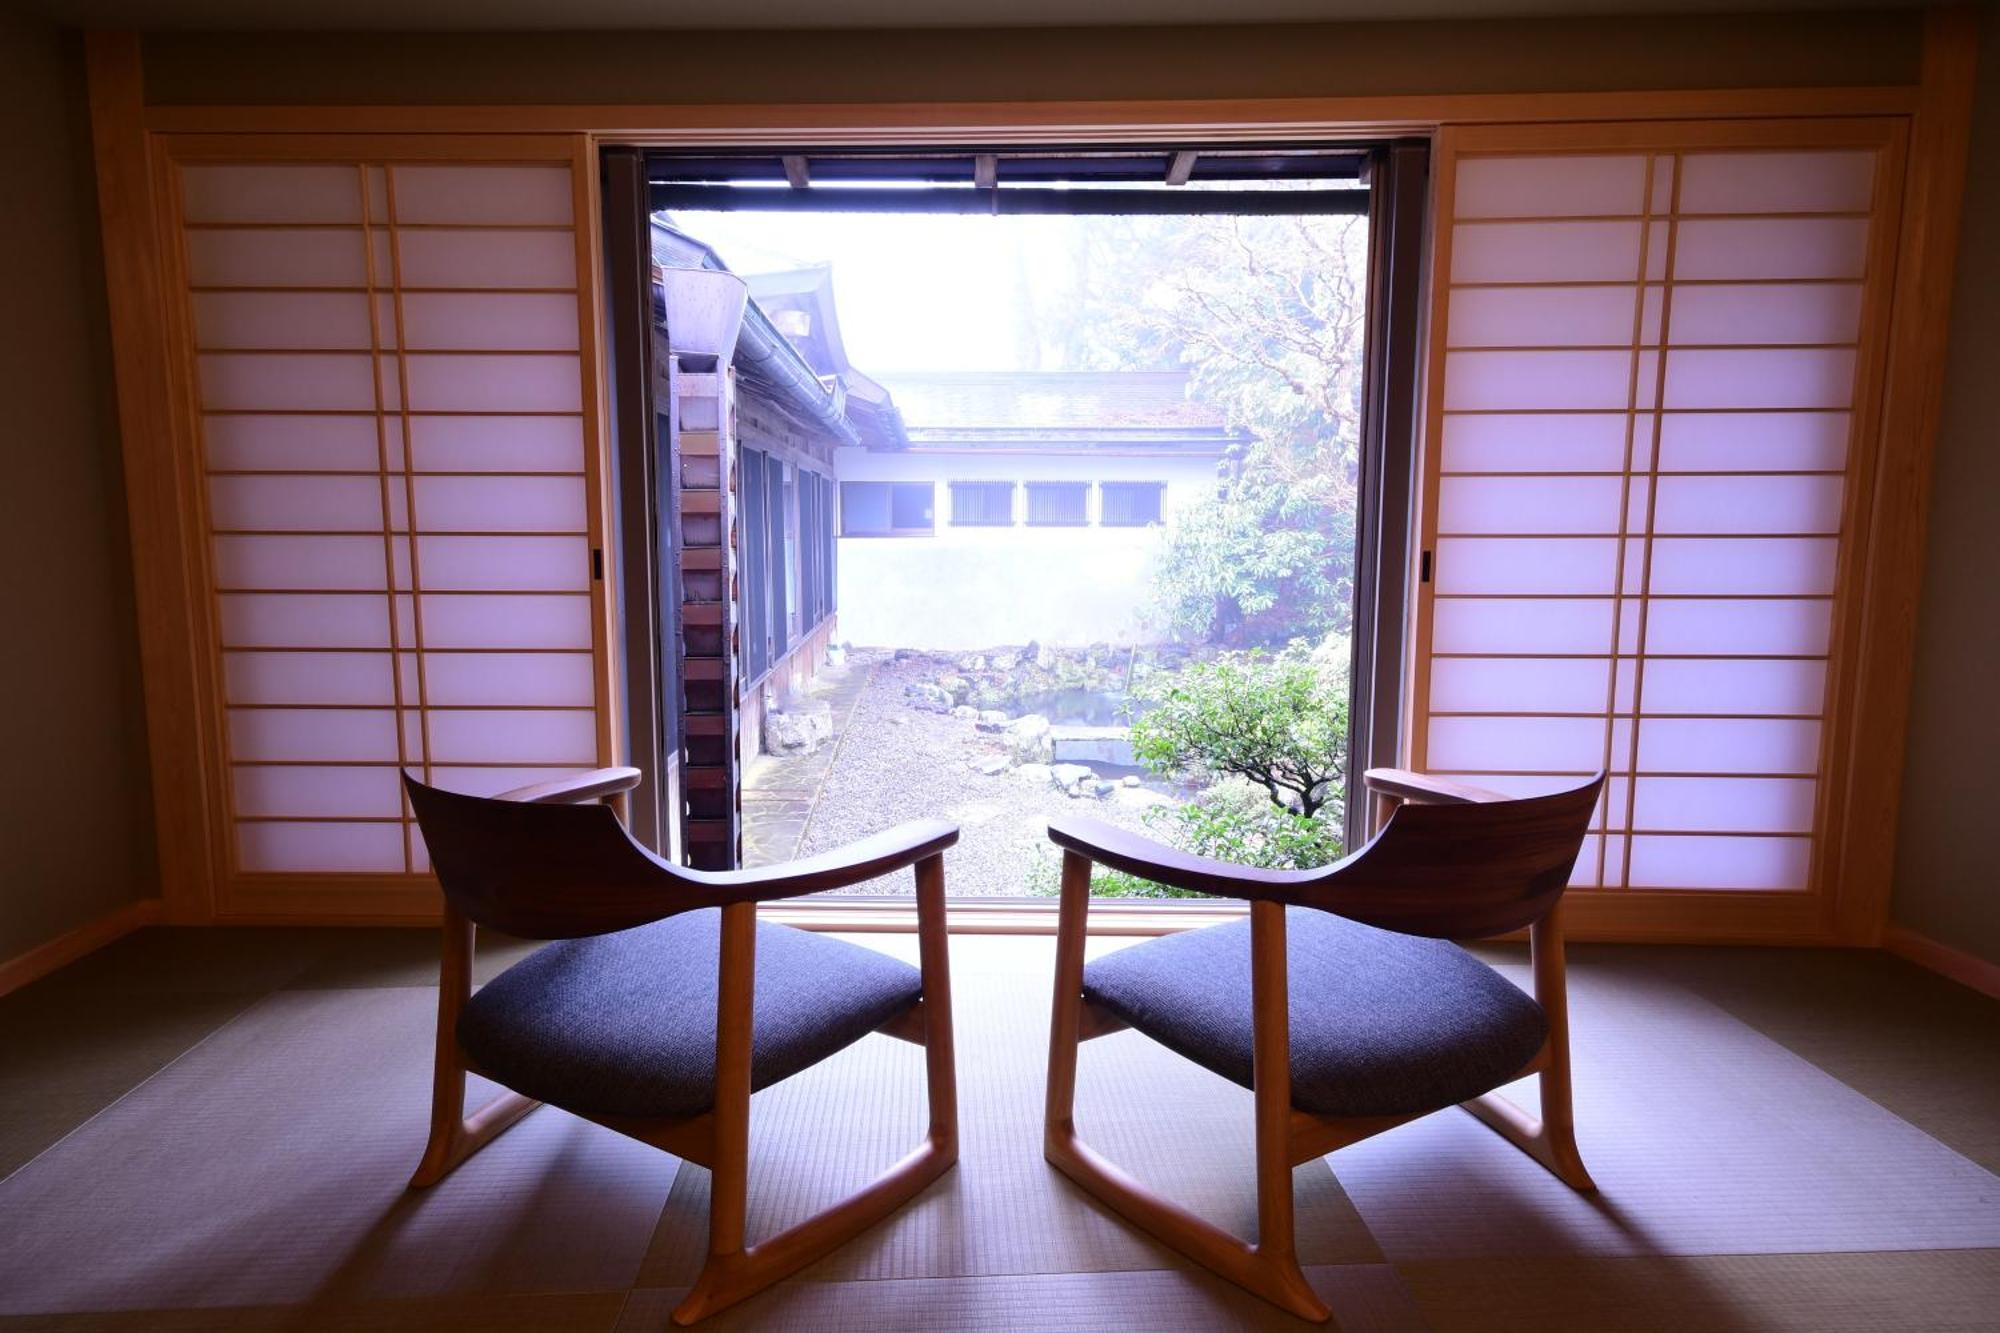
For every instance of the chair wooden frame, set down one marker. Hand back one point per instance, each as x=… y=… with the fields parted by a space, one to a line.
x=614 y=884
x=1401 y=880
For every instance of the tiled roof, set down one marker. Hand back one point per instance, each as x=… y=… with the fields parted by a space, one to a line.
x=1044 y=400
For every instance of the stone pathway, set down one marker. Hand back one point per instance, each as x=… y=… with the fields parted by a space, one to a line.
x=779 y=793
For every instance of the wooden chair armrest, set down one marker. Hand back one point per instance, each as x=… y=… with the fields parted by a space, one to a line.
x=1135 y=854
x=1405 y=784
x=576 y=788
x=879 y=854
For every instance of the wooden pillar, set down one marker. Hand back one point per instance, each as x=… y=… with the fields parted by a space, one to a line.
x=704 y=459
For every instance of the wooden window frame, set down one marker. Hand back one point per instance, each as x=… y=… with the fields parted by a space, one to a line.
x=1831 y=907
x=133 y=141
x=181 y=649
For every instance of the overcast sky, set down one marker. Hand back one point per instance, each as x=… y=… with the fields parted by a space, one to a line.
x=915 y=291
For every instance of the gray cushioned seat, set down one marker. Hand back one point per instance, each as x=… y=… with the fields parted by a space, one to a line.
x=1381 y=1023
x=624 y=1024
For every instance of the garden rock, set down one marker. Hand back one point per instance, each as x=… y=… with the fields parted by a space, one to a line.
x=1035 y=775
x=1071 y=777
x=992 y=766
x=956 y=686
x=1029 y=739
x=928 y=698
x=799 y=728
x=965 y=713
x=992 y=719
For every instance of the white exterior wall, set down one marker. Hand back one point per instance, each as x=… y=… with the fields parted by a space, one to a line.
x=982 y=587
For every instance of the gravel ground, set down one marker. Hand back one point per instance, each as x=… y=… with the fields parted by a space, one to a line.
x=895 y=762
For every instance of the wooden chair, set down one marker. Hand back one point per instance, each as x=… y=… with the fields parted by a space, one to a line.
x=652 y=1016
x=1387 y=1021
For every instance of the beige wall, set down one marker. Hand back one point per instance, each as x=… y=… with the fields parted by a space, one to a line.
x=1080 y=64
x=1947 y=874
x=75 y=832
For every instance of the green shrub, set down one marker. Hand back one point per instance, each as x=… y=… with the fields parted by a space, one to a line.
x=1277 y=721
x=1234 y=822
x=1231 y=821
x=1268 y=736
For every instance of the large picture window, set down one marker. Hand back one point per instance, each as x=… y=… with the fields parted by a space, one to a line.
x=995 y=417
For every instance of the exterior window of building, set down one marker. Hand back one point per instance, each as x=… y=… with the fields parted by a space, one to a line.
x=815 y=547
x=828 y=549
x=1133 y=504
x=789 y=510
x=1058 y=504
x=756 y=564
x=886 y=509
x=982 y=504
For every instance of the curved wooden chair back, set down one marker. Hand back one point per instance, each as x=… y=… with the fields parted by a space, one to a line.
x=1450 y=871
x=1461 y=871
x=545 y=872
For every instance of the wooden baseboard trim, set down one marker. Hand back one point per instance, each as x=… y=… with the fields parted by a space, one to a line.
x=1960 y=966
x=66 y=948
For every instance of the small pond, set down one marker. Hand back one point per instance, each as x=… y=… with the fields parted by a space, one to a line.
x=1075 y=706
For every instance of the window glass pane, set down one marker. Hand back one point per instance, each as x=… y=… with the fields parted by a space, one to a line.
x=878 y=508
x=982 y=504
x=756 y=570
x=1057 y=503
x=910 y=506
x=1132 y=504
x=864 y=508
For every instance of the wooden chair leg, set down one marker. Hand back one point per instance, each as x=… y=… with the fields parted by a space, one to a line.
x=455 y=1136
x=721 y=1280
x=1550 y=1140
x=940 y=1058
x=1270 y=1268
x=735 y=1272
x=454 y=1139
x=1270 y=1002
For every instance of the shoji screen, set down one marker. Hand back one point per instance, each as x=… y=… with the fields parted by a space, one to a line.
x=393 y=415
x=1651 y=368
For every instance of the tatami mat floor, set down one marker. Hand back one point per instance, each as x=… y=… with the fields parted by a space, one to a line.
x=211 y=1130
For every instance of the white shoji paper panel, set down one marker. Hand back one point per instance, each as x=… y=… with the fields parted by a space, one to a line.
x=383 y=607
x=1648 y=380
